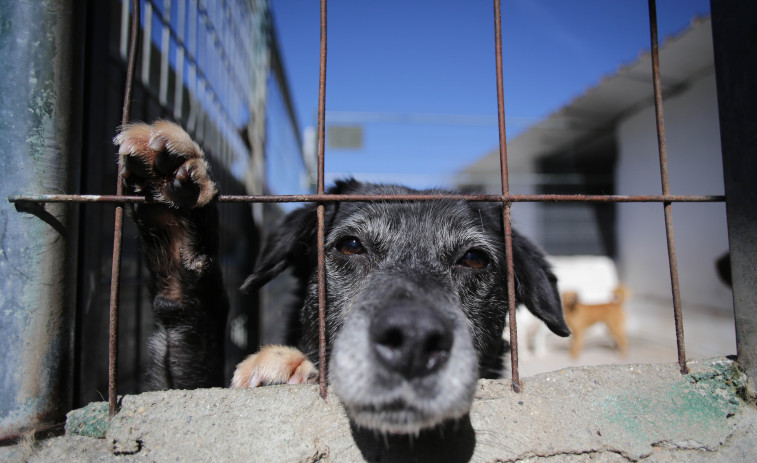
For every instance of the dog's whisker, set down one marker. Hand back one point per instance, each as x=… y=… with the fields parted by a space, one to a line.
x=385 y=438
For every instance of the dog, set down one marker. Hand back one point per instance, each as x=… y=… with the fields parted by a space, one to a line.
x=416 y=296
x=580 y=317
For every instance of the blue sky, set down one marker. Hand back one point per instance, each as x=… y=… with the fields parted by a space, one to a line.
x=437 y=58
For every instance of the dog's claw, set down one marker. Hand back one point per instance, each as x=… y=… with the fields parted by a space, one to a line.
x=162 y=162
x=274 y=365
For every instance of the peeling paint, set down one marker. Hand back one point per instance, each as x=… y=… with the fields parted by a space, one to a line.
x=35 y=43
x=90 y=421
x=705 y=400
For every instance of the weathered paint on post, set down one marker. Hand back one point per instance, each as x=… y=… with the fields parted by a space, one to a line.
x=734 y=30
x=36 y=113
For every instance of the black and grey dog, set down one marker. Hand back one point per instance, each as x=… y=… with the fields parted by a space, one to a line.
x=416 y=290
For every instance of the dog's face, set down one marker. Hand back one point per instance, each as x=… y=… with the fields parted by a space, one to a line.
x=416 y=301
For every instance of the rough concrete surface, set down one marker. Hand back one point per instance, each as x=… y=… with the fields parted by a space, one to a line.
x=609 y=413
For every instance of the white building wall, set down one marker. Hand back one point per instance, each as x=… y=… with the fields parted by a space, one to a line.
x=695 y=166
x=525 y=215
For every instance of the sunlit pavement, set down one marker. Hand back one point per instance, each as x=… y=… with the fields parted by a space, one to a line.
x=650 y=328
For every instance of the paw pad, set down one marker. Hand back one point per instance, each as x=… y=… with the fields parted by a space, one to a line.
x=162 y=162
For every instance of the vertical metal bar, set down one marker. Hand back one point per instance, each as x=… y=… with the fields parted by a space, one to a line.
x=505 y=191
x=146 y=46
x=164 y=52
x=736 y=73
x=321 y=209
x=179 y=74
x=668 y=207
x=115 y=276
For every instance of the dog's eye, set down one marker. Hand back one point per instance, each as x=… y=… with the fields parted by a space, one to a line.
x=350 y=246
x=474 y=258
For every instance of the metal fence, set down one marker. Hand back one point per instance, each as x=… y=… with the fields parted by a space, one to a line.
x=666 y=199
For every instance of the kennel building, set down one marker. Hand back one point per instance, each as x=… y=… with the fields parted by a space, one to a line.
x=212 y=66
x=603 y=142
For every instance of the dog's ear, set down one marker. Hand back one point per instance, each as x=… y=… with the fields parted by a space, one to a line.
x=291 y=241
x=536 y=285
x=569 y=300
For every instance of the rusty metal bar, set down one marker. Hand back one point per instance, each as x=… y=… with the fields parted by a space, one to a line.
x=516 y=384
x=481 y=198
x=115 y=277
x=668 y=207
x=514 y=364
x=321 y=209
x=326 y=198
x=500 y=100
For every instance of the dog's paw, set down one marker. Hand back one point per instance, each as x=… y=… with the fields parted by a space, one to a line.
x=162 y=162
x=274 y=365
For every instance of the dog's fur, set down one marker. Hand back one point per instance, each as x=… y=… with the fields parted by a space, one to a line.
x=179 y=234
x=416 y=290
x=580 y=317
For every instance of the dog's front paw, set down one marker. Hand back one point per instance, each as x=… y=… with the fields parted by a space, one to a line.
x=274 y=365
x=162 y=162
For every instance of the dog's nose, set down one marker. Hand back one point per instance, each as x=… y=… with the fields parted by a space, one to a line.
x=412 y=341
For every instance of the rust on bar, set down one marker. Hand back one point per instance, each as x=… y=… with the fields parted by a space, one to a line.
x=506 y=199
x=668 y=207
x=322 y=101
x=61 y=198
x=500 y=99
x=113 y=325
x=130 y=68
x=476 y=198
x=321 y=302
x=317 y=198
x=517 y=386
x=321 y=209
x=115 y=277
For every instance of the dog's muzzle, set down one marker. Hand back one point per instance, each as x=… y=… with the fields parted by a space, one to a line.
x=403 y=365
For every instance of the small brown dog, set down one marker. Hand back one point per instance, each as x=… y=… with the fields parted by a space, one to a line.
x=581 y=316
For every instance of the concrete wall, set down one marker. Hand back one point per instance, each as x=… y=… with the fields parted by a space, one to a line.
x=695 y=166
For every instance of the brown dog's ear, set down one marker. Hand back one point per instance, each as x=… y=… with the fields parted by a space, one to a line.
x=536 y=285
x=569 y=300
x=290 y=243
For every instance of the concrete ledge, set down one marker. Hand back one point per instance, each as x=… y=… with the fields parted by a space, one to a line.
x=609 y=413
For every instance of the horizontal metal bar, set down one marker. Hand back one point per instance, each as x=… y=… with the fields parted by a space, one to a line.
x=59 y=198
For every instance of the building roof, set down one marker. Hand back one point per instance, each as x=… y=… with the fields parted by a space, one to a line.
x=684 y=58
